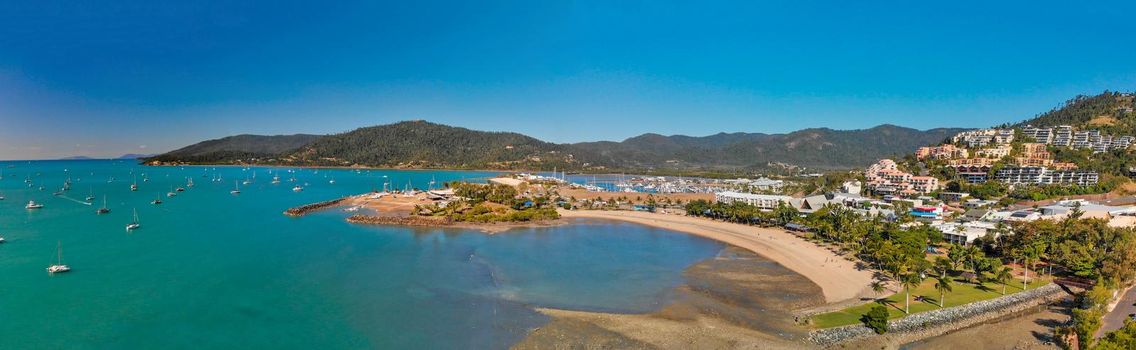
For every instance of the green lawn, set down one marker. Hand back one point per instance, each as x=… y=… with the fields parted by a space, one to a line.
x=964 y=293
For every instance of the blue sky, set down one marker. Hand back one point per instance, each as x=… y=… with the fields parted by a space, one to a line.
x=145 y=76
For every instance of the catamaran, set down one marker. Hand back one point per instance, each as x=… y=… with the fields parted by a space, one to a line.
x=33 y=205
x=134 y=225
x=58 y=267
x=236 y=188
x=104 y=209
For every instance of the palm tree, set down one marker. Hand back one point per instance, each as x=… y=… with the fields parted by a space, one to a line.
x=1003 y=275
x=943 y=285
x=910 y=280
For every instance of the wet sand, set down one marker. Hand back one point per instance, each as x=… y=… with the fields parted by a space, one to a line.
x=738 y=300
x=839 y=279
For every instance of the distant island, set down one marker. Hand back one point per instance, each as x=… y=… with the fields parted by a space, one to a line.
x=124 y=156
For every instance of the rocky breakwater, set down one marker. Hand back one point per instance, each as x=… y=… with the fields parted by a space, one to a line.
x=933 y=323
x=399 y=220
x=304 y=209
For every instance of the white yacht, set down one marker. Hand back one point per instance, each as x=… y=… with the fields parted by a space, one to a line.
x=33 y=205
x=297 y=188
x=236 y=188
x=58 y=267
x=1 y=239
x=134 y=225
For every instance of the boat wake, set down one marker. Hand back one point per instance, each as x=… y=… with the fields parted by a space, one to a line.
x=74 y=200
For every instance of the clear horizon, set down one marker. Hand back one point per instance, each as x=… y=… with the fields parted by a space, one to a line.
x=138 y=77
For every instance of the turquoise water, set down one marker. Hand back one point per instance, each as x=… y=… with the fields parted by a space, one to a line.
x=212 y=270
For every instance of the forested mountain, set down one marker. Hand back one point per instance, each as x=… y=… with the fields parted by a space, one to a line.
x=228 y=149
x=420 y=144
x=814 y=148
x=1111 y=112
x=423 y=144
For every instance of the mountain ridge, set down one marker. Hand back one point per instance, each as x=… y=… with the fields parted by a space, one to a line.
x=422 y=144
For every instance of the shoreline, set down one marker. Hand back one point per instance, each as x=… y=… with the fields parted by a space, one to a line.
x=839 y=279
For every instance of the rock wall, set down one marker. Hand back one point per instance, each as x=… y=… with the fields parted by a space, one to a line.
x=936 y=322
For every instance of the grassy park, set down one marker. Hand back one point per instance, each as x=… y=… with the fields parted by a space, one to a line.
x=963 y=292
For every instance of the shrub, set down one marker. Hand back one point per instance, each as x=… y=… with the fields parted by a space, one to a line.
x=876 y=319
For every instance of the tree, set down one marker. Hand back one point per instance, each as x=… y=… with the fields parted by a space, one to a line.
x=1123 y=338
x=876 y=319
x=1086 y=322
x=943 y=285
x=1003 y=275
x=909 y=281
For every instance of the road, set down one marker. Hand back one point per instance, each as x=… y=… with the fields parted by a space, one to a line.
x=1115 y=319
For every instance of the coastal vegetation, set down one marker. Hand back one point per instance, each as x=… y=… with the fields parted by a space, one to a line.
x=490 y=203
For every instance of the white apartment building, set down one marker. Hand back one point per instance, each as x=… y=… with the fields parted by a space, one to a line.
x=762 y=201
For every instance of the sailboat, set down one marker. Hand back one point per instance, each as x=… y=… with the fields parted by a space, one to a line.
x=91 y=195
x=332 y=181
x=189 y=183
x=171 y=193
x=297 y=188
x=58 y=267
x=275 y=179
x=236 y=188
x=134 y=185
x=134 y=225
x=157 y=201
x=104 y=209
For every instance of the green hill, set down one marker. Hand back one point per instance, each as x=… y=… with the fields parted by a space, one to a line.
x=1110 y=112
x=232 y=148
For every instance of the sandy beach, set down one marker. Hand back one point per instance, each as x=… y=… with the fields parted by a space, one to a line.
x=838 y=278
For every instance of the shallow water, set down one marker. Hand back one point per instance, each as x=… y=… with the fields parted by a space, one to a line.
x=212 y=270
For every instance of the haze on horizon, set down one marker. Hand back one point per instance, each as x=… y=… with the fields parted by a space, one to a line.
x=142 y=77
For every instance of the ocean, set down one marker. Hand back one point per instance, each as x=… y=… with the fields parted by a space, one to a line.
x=209 y=269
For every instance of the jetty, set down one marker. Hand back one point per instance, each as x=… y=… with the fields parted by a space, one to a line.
x=308 y=208
x=399 y=220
